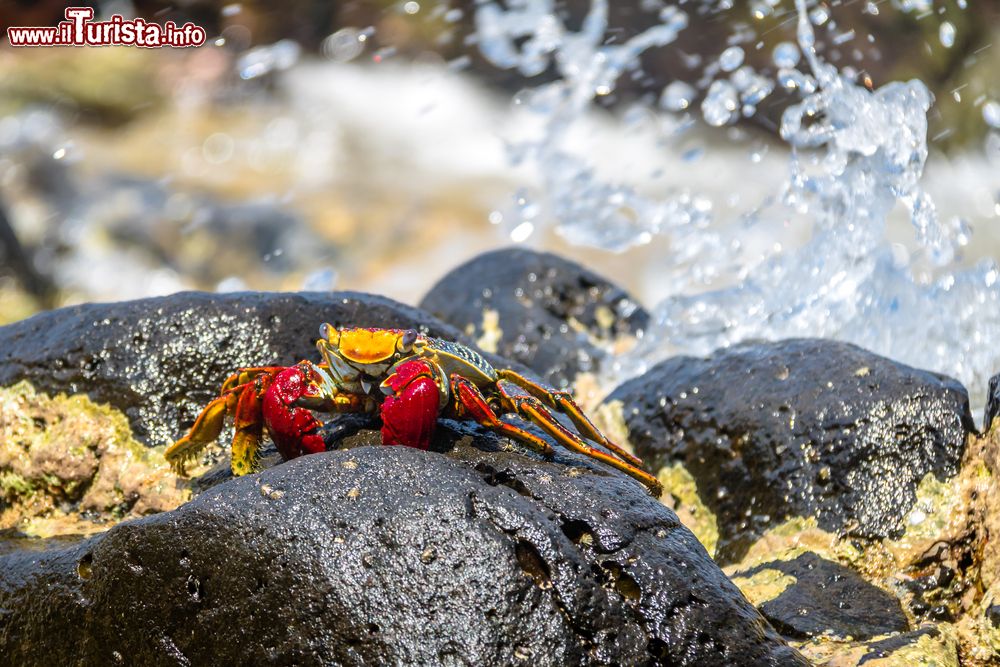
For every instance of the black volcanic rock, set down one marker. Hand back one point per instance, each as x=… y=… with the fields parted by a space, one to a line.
x=828 y=598
x=551 y=311
x=800 y=427
x=389 y=555
x=992 y=403
x=161 y=360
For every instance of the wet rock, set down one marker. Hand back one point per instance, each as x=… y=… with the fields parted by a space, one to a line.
x=822 y=597
x=383 y=555
x=161 y=360
x=992 y=403
x=935 y=591
x=993 y=615
x=797 y=428
x=552 y=315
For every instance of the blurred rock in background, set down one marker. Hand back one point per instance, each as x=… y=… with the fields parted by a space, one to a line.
x=949 y=47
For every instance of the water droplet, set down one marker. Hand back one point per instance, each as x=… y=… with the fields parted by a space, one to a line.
x=731 y=58
x=218 y=148
x=522 y=232
x=819 y=16
x=721 y=104
x=786 y=55
x=344 y=45
x=946 y=33
x=677 y=96
x=264 y=59
x=843 y=38
x=991 y=114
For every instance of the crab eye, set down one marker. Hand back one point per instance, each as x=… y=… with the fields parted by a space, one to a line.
x=329 y=333
x=407 y=340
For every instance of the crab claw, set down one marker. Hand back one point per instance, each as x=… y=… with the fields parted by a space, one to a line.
x=409 y=413
x=294 y=429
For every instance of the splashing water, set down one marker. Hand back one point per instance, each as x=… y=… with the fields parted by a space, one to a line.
x=856 y=155
x=590 y=211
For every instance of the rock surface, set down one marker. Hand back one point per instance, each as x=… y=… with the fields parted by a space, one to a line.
x=992 y=403
x=798 y=428
x=823 y=597
x=382 y=555
x=161 y=360
x=546 y=312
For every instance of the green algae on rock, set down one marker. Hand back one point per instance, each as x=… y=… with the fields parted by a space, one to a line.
x=944 y=569
x=15 y=304
x=69 y=465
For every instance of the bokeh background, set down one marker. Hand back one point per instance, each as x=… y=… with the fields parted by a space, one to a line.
x=365 y=144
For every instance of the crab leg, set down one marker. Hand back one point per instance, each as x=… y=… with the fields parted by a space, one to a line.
x=473 y=403
x=206 y=430
x=563 y=402
x=532 y=409
x=245 y=376
x=240 y=396
x=248 y=426
x=237 y=398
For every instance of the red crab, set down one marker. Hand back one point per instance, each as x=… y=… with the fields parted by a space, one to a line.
x=410 y=380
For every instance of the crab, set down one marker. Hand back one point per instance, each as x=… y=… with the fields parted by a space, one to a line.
x=406 y=378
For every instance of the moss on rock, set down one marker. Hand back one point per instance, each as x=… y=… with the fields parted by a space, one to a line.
x=69 y=465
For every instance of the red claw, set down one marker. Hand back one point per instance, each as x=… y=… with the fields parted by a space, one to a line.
x=409 y=413
x=295 y=430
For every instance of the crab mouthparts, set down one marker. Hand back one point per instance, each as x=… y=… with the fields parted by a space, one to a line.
x=327 y=386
